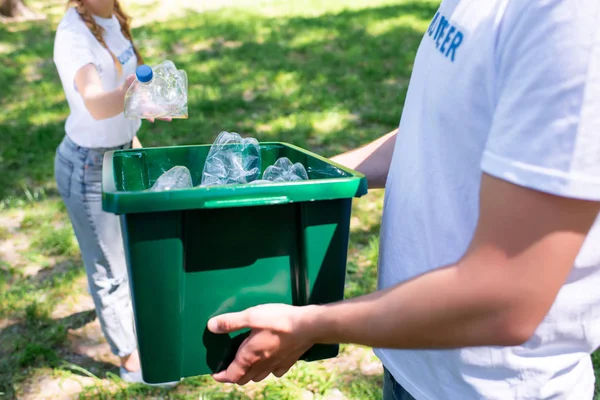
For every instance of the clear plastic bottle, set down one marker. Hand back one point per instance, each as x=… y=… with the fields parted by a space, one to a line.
x=158 y=92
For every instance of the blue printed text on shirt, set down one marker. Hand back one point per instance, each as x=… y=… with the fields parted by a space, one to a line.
x=126 y=55
x=446 y=36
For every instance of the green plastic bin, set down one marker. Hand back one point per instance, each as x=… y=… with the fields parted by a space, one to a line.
x=196 y=253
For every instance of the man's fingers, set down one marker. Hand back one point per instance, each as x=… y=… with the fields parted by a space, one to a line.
x=235 y=373
x=261 y=375
x=281 y=371
x=283 y=367
x=258 y=371
x=244 y=379
x=221 y=377
x=240 y=367
x=227 y=323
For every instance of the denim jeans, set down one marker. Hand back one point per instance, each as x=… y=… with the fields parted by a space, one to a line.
x=392 y=389
x=78 y=174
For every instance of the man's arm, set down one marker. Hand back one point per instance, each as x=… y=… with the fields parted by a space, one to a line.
x=373 y=160
x=135 y=143
x=523 y=248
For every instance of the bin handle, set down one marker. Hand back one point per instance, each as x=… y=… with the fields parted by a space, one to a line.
x=253 y=201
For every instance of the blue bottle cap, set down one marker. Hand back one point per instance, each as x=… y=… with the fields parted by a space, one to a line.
x=144 y=73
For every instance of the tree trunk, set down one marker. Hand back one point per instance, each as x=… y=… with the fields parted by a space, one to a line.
x=15 y=9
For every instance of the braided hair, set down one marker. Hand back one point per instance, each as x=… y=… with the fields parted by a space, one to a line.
x=98 y=31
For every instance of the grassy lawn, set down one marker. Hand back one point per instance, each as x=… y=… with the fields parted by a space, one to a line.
x=327 y=76
x=324 y=75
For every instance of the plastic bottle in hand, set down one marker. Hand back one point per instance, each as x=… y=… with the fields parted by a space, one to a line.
x=177 y=84
x=158 y=93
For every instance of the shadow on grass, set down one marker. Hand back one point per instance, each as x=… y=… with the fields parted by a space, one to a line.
x=327 y=83
x=39 y=341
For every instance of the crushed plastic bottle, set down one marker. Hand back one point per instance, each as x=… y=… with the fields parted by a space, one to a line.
x=158 y=92
x=231 y=160
x=285 y=171
x=178 y=177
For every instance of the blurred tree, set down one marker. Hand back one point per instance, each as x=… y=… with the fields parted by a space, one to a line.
x=15 y=8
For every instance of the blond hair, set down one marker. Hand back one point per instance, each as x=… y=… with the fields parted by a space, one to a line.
x=98 y=31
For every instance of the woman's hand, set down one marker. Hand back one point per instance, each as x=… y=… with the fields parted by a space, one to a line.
x=125 y=87
x=102 y=104
x=127 y=84
x=168 y=119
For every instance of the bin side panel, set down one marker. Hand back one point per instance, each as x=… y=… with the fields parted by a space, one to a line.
x=154 y=249
x=235 y=258
x=326 y=226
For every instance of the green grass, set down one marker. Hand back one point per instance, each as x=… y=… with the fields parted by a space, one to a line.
x=51 y=241
x=327 y=78
x=325 y=75
x=33 y=342
x=596 y=361
x=52 y=250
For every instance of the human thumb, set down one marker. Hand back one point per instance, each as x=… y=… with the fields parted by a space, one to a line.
x=227 y=323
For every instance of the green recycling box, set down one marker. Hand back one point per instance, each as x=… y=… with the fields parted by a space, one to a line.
x=199 y=252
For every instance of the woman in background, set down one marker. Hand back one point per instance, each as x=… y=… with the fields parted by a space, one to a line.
x=96 y=60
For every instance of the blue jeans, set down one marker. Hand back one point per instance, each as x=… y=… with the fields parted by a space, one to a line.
x=78 y=174
x=392 y=389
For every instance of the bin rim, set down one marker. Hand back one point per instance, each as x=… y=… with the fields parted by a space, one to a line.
x=141 y=201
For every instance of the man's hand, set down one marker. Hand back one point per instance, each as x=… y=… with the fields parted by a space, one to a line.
x=280 y=336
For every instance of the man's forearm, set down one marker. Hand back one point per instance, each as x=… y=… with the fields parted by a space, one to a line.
x=373 y=160
x=135 y=143
x=497 y=294
x=441 y=309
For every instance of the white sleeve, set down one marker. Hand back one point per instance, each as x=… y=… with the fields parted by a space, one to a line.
x=545 y=133
x=71 y=52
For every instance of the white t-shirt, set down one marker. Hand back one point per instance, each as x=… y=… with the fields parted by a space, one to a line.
x=511 y=88
x=74 y=47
